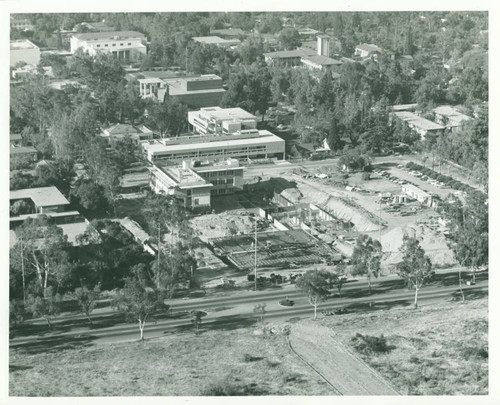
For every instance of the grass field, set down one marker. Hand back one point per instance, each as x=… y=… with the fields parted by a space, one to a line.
x=233 y=362
x=439 y=349
x=435 y=350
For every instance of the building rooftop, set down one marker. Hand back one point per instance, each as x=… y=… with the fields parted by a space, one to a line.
x=307 y=31
x=19 y=44
x=41 y=196
x=134 y=228
x=226 y=164
x=184 y=178
x=404 y=107
x=451 y=112
x=96 y=36
x=149 y=80
x=15 y=137
x=369 y=47
x=124 y=129
x=224 y=114
x=228 y=32
x=215 y=40
x=204 y=142
x=297 y=53
x=322 y=60
x=417 y=121
x=416 y=190
x=19 y=150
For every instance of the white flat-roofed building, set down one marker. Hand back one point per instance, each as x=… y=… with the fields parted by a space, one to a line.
x=226 y=177
x=450 y=117
x=125 y=45
x=416 y=193
x=249 y=144
x=318 y=62
x=216 y=120
x=217 y=41
x=120 y=131
x=23 y=50
x=150 y=86
x=182 y=183
x=365 y=50
x=418 y=124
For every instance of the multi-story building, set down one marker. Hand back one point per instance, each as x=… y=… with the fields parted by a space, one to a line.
x=288 y=58
x=319 y=63
x=221 y=121
x=194 y=183
x=125 y=45
x=243 y=145
x=420 y=125
x=22 y=24
x=226 y=176
x=182 y=183
x=23 y=50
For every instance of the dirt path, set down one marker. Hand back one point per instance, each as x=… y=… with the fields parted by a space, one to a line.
x=344 y=371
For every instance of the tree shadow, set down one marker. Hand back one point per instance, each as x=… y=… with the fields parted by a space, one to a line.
x=469 y=294
x=223 y=323
x=14 y=368
x=370 y=307
x=98 y=322
x=53 y=344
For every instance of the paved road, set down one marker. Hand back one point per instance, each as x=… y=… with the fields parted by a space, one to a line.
x=236 y=310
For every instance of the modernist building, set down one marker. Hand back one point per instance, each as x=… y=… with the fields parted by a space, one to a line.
x=221 y=121
x=243 y=145
x=182 y=183
x=288 y=58
x=195 y=184
x=195 y=92
x=48 y=201
x=323 y=45
x=125 y=45
x=22 y=50
x=450 y=117
x=120 y=131
x=365 y=50
x=217 y=41
x=319 y=63
x=418 y=124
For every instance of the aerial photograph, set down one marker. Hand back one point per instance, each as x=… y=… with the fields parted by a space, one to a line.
x=208 y=204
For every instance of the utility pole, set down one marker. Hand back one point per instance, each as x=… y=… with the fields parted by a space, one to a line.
x=186 y=60
x=255 y=258
x=380 y=220
x=158 y=264
x=22 y=270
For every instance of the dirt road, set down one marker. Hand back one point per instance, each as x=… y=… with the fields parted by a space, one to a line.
x=347 y=373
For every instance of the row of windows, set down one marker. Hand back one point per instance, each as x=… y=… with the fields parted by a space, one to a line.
x=222 y=181
x=106 y=45
x=241 y=151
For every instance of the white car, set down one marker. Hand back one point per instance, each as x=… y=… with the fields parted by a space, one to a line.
x=415 y=173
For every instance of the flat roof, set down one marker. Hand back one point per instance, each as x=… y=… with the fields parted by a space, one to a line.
x=16 y=137
x=219 y=113
x=322 y=60
x=212 y=39
x=369 y=47
x=95 y=36
x=416 y=190
x=228 y=31
x=404 y=107
x=297 y=53
x=19 y=44
x=418 y=121
x=265 y=138
x=19 y=150
x=150 y=80
x=449 y=111
x=41 y=196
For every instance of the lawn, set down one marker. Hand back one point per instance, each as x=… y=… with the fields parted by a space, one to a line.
x=213 y=363
x=435 y=350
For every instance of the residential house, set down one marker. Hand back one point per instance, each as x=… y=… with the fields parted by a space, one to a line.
x=366 y=50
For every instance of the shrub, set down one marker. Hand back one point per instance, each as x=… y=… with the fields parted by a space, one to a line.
x=366 y=344
x=220 y=389
x=441 y=178
x=251 y=277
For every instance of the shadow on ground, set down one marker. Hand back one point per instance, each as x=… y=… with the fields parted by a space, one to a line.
x=53 y=344
x=229 y=322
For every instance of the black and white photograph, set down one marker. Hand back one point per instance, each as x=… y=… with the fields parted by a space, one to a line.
x=274 y=204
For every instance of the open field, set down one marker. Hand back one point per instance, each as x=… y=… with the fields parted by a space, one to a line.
x=439 y=349
x=235 y=360
x=435 y=350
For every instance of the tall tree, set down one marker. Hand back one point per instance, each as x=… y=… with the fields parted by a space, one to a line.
x=416 y=267
x=139 y=301
x=87 y=299
x=366 y=257
x=314 y=284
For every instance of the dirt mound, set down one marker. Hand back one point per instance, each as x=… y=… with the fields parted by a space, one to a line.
x=434 y=244
x=227 y=223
